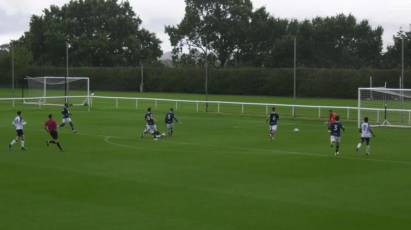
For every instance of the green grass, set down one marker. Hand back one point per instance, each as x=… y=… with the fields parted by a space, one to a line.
x=219 y=171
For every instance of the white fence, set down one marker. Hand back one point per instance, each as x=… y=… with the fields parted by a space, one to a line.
x=304 y=111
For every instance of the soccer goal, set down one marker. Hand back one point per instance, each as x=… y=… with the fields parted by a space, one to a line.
x=385 y=107
x=57 y=91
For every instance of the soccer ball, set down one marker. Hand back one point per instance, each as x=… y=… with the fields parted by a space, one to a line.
x=296 y=130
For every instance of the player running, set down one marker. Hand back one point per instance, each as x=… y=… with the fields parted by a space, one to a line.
x=19 y=124
x=273 y=119
x=335 y=131
x=51 y=127
x=366 y=134
x=67 y=118
x=151 y=127
x=169 y=120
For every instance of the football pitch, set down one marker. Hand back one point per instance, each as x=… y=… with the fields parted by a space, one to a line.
x=219 y=171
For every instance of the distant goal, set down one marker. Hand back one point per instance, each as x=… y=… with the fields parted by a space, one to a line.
x=385 y=107
x=56 y=91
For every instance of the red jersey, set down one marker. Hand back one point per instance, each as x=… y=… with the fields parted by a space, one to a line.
x=332 y=117
x=51 y=125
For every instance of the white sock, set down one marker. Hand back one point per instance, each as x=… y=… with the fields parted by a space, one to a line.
x=22 y=144
x=13 y=142
x=368 y=149
x=359 y=145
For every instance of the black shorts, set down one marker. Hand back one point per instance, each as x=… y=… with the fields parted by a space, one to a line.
x=366 y=140
x=20 y=133
x=54 y=135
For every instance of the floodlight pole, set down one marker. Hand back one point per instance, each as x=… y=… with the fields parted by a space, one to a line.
x=295 y=69
x=206 y=79
x=12 y=73
x=295 y=75
x=402 y=63
x=67 y=72
x=141 y=69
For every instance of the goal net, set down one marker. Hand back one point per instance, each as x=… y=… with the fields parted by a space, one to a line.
x=57 y=91
x=385 y=107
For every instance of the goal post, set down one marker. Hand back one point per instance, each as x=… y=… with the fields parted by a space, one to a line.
x=52 y=90
x=385 y=107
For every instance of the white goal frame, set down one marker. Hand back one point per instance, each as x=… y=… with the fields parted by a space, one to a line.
x=43 y=100
x=385 y=109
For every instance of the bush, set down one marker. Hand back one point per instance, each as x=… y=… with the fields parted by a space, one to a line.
x=335 y=83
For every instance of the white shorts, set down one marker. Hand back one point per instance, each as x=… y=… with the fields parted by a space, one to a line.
x=66 y=120
x=151 y=128
x=170 y=126
x=273 y=128
x=335 y=139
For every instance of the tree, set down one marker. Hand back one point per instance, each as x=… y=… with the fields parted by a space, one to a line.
x=214 y=27
x=101 y=33
x=392 y=58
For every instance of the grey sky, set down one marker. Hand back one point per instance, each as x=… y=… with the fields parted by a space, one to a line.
x=15 y=14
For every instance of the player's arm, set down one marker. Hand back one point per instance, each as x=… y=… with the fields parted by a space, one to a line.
x=342 y=127
x=45 y=127
x=175 y=119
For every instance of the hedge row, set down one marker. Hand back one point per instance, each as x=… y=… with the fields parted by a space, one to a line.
x=336 y=83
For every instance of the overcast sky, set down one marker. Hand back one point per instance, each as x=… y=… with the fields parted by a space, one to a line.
x=391 y=14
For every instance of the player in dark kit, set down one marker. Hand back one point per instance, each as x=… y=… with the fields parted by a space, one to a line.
x=66 y=118
x=51 y=127
x=273 y=119
x=151 y=127
x=169 y=120
x=335 y=130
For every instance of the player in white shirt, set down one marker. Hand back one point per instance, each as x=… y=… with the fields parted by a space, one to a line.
x=19 y=124
x=366 y=135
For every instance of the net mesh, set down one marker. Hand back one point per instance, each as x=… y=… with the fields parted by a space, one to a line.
x=386 y=107
x=43 y=87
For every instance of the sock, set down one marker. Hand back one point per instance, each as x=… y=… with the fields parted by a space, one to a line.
x=13 y=142
x=72 y=126
x=359 y=145
x=62 y=125
x=58 y=145
x=22 y=144
x=52 y=142
x=368 y=149
x=337 y=148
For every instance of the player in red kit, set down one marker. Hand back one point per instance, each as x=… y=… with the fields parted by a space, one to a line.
x=331 y=118
x=51 y=127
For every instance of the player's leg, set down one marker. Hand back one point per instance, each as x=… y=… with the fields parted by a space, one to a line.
x=332 y=141
x=368 y=148
x=359 y=145
x=63 y=123
x=22 y=142
x=337 y=146
x=170 y=130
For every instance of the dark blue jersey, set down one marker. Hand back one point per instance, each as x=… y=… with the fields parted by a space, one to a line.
x=170 y=118
x=274 y=117
x=335 y=129
x=65 y=112
x=149 y=118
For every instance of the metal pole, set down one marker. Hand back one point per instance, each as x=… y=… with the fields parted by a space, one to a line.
x=295 y=69
x=12 y=73
x=206 y=80
x=402 y=77
x=141 y=69
x=67 y=72
x=402 y=63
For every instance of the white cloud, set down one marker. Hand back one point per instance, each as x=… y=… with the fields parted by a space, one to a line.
x=157 y=13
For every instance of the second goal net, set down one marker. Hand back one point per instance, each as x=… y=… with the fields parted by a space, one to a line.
x=385 y=107
x=57 y=90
